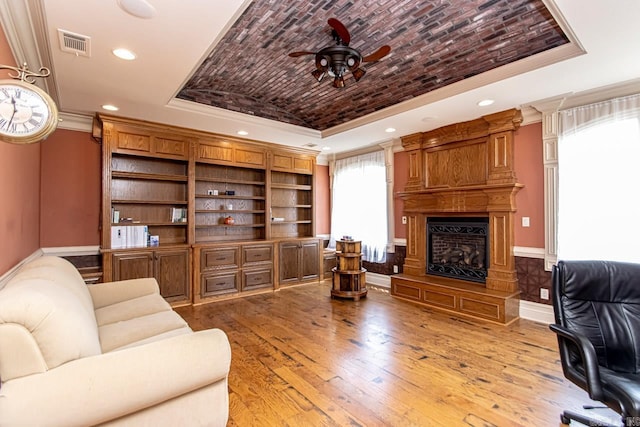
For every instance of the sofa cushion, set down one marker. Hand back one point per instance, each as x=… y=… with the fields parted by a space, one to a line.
x=132 y=331
x=130 y=309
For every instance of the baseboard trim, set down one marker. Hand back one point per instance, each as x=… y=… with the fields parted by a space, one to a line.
x=542 y=313
x=381 y=280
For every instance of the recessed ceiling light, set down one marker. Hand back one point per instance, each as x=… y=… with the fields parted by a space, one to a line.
x=138 y=8
x=485 y=102
x=243 y=132
x=390 y=130
x=110 y=107
x=125 y=54
x=325 y=148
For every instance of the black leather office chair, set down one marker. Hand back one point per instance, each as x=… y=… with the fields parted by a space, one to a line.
x=597 y=312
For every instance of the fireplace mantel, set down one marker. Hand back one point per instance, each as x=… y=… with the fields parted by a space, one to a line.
x=462 y=170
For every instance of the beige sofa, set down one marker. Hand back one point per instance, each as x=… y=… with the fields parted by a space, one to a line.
x=105 y=354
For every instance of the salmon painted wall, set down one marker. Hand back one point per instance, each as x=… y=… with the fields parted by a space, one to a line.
x=530 y=200
x=19 y=191
x=323 y=200
x=71 y=185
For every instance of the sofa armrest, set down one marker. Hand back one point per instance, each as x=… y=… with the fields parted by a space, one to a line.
x=108 y=293
x=96 y=389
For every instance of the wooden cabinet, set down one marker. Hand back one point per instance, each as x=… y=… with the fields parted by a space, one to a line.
x=299 y=261
x=170 y=267
x=227 y=198
x=232 y=269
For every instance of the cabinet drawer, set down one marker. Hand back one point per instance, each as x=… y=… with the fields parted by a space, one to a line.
x=256 y=279
x=219 y=284
x=220 y=258
x=257 y=254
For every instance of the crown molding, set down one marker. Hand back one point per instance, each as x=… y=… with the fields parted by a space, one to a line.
x=77 y=122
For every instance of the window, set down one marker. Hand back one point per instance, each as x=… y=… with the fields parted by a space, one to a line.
x=359 y=203
x=598 y=170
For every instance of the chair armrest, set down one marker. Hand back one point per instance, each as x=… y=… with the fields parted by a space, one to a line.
x=588 y=356
x=95 y=389
x=104 y=294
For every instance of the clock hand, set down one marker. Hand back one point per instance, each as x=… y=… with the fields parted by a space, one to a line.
x=15 y=110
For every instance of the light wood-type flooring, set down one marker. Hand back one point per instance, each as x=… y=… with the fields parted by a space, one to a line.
x=301 y=358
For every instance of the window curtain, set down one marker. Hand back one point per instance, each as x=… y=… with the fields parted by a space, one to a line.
x=359 y=203
x=598 y=173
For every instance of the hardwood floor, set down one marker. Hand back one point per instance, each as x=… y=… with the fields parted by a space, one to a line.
x=300 y=358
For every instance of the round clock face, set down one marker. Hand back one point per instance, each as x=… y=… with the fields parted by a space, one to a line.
x=27 y=113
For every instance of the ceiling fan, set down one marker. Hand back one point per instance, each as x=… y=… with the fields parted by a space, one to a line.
x=339 y=59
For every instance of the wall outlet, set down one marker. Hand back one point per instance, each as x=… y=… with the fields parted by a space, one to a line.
x=525 y=221
x=404 y=219
x=544 y=293
x=395 y=268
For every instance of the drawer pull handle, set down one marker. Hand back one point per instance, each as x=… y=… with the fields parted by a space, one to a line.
x=221 y=258
x=221 y=283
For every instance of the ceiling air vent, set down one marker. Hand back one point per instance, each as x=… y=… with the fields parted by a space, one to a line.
x=74 y=43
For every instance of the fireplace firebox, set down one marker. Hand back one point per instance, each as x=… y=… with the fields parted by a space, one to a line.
x=458 y=247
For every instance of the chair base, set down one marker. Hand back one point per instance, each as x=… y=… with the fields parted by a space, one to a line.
x=567 y=416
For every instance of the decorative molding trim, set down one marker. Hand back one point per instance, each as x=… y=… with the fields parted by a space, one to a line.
x=530 y=115
x=221 y=113
x=24 y=23
x=522 y=251
x=71 y=250
x=542 y=313
x=77 y=122
x=12 y=272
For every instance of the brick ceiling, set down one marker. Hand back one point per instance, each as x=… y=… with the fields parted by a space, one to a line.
x=434 y=43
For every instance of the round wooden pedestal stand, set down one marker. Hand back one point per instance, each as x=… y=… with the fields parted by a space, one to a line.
x=349 y=277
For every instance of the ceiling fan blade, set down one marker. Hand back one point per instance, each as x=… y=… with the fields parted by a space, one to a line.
x=342 y=31
x=378 y=54
x=301 y=53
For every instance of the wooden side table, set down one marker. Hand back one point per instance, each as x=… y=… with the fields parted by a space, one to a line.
x=348 y=276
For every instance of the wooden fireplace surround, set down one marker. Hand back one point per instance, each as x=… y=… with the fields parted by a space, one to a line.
x=463 y=170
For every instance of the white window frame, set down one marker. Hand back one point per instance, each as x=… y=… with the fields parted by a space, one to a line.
x=550 y=128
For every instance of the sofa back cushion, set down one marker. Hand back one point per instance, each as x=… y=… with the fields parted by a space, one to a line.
x=46 y=318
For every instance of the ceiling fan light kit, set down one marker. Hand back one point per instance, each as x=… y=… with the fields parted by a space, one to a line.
x=338 y=60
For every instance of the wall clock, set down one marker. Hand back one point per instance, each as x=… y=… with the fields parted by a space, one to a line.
x=27 y=113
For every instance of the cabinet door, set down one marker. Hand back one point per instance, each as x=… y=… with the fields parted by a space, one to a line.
x=310 y=260
x=289 y=262
x=172 y=273
x=132 y=265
